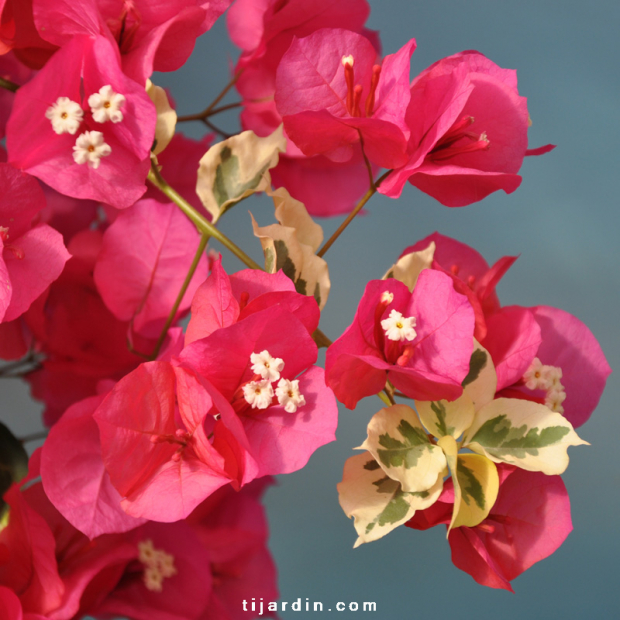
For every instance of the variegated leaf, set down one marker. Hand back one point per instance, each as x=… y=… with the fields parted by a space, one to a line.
x=408 y=267
x=399 y=443
x=478 y=485
x=444 y=417
x=377 y=503
x=481 y=380
x=292 y=250
x=166 y=117
x=523 y=433
x=235 y=168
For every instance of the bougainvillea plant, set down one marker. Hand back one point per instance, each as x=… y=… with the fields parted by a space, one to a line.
x=174 y=390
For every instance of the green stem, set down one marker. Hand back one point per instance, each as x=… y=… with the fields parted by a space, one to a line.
x=190 y=274
x=360 y=205
x=8 y=85
x=384 y=397
x=201 y=223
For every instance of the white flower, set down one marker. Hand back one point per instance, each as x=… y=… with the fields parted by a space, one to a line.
x=289 y=396
x=90 y=148
x=258 y=393
x=65 y=115
x=399 y=328
x=554 y=400
x=534 y=377
x=266 y=366
x=106 y=105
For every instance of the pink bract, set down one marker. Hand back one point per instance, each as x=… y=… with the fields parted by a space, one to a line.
x=149 y=36
x=144 y=259
x=429 y=367
x=74 y=477
x=529 y=521
x=31 y=257
x=468 y=129
x=222 y=300
x=315 y=99
x=33 y=145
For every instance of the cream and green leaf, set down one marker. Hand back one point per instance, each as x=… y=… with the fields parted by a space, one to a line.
x=480 y=383
x=476 y=484
x=522 y=433
x=377 y=503
x=408 y=267
x=291 y=244
x=235 y=168
x=444 y=417
x=399 y=443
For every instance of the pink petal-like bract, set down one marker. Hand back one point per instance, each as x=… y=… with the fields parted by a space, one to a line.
x=431 y=366
x=74 y=477
x=144 y=259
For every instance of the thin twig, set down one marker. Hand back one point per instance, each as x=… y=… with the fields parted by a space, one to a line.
x=8 y=85
x=212 y=106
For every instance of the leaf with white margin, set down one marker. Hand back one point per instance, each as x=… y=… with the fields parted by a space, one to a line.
x=444 y=417
x=480 y=383
x=408 y=267
x=523 y=433
x=235 y=168
x=284 y=248
x=399 y=443
x=476 y=484
x=375 y=501
x=453 y=418
x=166 y=117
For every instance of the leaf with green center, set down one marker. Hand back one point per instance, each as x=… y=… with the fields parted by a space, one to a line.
x=13 y=462
x=408 y=267
x=235 y=168
x=291 y=245
x=522 y=433
x=475 y=481
x=443 y=418
x=377 y=503
x=481 y=380
x=398 y=441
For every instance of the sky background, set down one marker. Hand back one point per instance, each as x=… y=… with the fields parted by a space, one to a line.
x=564 y=223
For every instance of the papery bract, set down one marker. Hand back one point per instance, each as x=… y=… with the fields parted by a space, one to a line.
x=74 y=477
x=468 y=129
x=31 y=258
x=318 y=113
x=528 y=522
x=145 y=256
x=429 y=366
x=115 y=174
x=150 y=37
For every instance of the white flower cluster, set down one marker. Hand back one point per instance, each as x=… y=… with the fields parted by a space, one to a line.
x=259 y=394
x=159 y=565
x=542 y=377
x=66 y=116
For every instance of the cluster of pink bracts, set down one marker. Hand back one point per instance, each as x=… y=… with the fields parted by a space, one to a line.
x=144 y=500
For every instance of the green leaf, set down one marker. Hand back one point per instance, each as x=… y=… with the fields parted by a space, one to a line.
x=399 y=443
x=481 y=381
x=375 y=501
x=477 y=362
x=523 y=433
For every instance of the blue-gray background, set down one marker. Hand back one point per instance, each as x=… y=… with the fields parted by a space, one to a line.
x=564 y=222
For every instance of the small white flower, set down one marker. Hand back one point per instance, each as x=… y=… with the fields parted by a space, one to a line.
x=387 y=297
x=534 y=377
x=106 y=105
x=266 y=366
x=258 y=393
x=554 y=400
x=553 y=376
x=289 y=396
x=399 y=328
x=66 y=115
x=90 y=148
